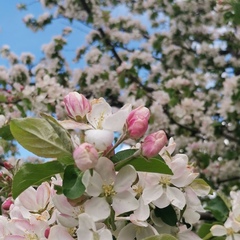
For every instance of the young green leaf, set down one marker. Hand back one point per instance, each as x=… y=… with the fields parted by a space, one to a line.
x=38 y=137
x=34 y=174
x=60 y=130
x=72 y=182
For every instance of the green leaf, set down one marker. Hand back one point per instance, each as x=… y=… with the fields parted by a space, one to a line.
x=3 y=98
x=167 y=214
x=34 y=174
x=205 y=233
x=121 y=155
x=201 y=187
x=72 y=182
x=204 y=229
x=161 y=237
x=66 y=159
x=121 y=79
x=38 y=137
x=218 y=208
x=58 y=189
x=5 y=133
x=154 y=165
x=61 y=132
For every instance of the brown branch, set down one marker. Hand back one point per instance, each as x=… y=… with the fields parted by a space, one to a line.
x=108 y=43
x=228 y=180
x=207 y=216
x=194 y=131
x=230 y=137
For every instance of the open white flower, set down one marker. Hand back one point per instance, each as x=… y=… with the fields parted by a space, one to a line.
x=105 y=185
x=89 y=230
x=101 y=123
x=230 y=229
x=162 y=193
x=68 y=215
x=131 y=232
x=104 y=123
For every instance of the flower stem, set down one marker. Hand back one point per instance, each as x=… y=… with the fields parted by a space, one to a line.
x=124 y=162
x=119 y=141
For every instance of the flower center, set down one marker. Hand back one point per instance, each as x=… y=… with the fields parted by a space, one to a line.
x=165 y=180
x=100 y=121
x=230 y=231
x=138 y=190
x=76 y=211
x=108 y=190
x=31 y=236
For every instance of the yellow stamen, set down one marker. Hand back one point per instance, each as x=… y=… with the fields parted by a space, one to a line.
x=108 y=190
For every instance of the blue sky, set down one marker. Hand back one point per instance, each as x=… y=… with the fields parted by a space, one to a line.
x=19 y=38
x=14 y=33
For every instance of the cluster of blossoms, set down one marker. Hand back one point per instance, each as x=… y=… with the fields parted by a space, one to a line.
x=231 y=227
x=120 y=199
x=196 y=103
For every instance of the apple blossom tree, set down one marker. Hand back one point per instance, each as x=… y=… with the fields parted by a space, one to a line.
x=162 y=78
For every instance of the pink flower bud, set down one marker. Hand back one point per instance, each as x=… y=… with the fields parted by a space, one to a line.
x=7 y=203
x=153 y=143
x=137 y=122
x=85 y=156
x=47 y=232
x=8 y=166
x=77 y=105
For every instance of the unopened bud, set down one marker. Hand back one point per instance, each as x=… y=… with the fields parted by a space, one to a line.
x=77 y=105
x=137 y=122
x=85 y=156
x=7 y=165
x=47 y=232
x=153 y=143
x=6 y=204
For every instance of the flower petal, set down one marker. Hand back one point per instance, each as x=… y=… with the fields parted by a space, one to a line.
x=104 y=234
x=43 y=195
x=28 y=199
x=176 y=197
x=67 y=221
x=142 y=212
x=105 y=168
x=70 y=124
x=59 y=232
x=191 y=216
x=145 y=232
x=218 y=230
x=86 y=227
x=100 y=110
x=100 y=138
x=124 y=179
x=116 y=121
x=162 y=202
x=124 y=202
x=93 y=183
x=152 y=193
x=128 y=232
x=97 y=208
